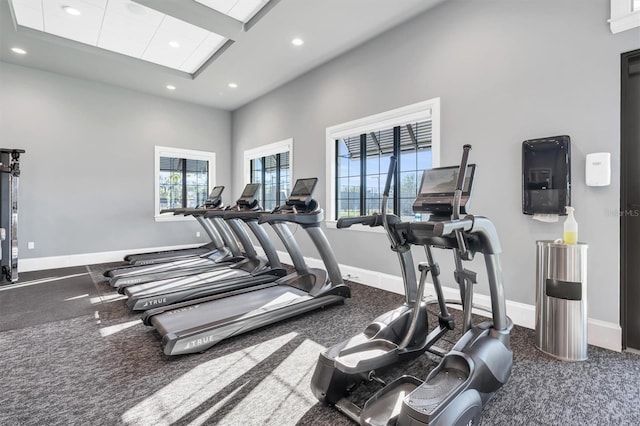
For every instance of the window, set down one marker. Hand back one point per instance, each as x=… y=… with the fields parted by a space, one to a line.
x=625 y=15
x=270 y=166
x=362 y=163
x=182 y=179
x=358 y=156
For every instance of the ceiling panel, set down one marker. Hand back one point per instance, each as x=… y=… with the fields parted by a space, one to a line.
x=242 y=10
x=84 y=28
x=124 y=27
x=171 y=30
x=212 y=43
x=128 y=28
x=30 y=12
x=223 y=6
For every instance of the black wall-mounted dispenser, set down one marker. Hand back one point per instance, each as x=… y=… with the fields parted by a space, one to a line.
x=546 y=175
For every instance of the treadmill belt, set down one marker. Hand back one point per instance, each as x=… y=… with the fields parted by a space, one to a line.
x=227 y=309
x=172 y=284
x=169 y=254
x=162 y=267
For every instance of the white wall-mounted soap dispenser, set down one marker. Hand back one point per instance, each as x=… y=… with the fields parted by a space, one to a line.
x=598 y=169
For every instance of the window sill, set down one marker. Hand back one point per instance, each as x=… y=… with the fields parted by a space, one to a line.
x=625 y=22
x=171 y=218
x=332 y=224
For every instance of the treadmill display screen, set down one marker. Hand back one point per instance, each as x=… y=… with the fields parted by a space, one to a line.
x=216 y=192
x=442 y=181
x=250 y=191
x=304 y=187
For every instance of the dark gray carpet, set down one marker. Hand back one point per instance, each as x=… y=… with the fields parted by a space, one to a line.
x=45 y=296
x=106 y=368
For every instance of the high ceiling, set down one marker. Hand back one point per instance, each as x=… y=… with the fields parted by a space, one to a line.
x=258 y=56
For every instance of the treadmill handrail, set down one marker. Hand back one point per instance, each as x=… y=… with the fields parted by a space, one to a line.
x=306 y=219
x=243 y=215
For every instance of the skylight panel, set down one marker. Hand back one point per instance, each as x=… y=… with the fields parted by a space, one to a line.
x=124 y=27
x=242 y=10
x=30 y=13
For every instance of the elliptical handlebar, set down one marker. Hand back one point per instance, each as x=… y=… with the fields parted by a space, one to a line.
x=387 y=187
x=444 y=228
x=392 y=168
x=462 y=172
x=457 y=198
x=385 y=199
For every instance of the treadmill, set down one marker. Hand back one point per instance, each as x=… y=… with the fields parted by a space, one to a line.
x=221 y=246
x=197 y=325
x=139 y=274
x=254 y=270
x=214 y=201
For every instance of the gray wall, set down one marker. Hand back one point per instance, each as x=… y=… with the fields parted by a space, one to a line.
x=87 y=179
x=505 y=71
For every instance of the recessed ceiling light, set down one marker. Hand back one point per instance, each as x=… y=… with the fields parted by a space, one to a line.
x=297 y=42
x=171 y=87
x=18 y=51
x=174 y=43
x=233 y=85
x=71 y=10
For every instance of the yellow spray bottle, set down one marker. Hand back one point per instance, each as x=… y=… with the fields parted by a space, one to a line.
x=570 y=227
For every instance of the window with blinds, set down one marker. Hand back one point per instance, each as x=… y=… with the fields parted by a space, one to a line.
x=362 y=162
x=183 y=182
x=274 y=173
x=183 y=178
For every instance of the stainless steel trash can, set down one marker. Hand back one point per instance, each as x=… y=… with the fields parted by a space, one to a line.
x=561 y=300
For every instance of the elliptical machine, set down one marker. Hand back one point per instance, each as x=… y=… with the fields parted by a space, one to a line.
x=479 y=363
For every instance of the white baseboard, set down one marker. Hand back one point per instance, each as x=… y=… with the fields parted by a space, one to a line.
x=604 y=334
x=54 y=262
x=600 y=333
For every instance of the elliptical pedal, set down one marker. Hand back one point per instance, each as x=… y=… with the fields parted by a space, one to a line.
x=367 y=356
x=427 y=397
x=383 y=408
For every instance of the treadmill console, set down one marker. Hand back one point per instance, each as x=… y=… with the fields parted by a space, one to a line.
x=438 y=188
x=301 y=192
x=249 y=195
x=215 y=197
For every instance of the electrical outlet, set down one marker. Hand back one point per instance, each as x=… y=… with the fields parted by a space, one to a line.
x=197 y=234
x=31 y=245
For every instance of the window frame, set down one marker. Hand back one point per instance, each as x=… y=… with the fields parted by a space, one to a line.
x=623 y=17
x=420 y=111
x=280 y=147
x=189 y=154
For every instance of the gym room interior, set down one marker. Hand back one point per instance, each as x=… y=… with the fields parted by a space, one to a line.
x=396 y=212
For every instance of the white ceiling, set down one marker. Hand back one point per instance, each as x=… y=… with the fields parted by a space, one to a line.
x=260 y=59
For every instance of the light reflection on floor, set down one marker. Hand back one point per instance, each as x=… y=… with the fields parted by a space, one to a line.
x=201 y=384
x=39 y=281
x=113 y=329
x=107 y=298
x=285 y=390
